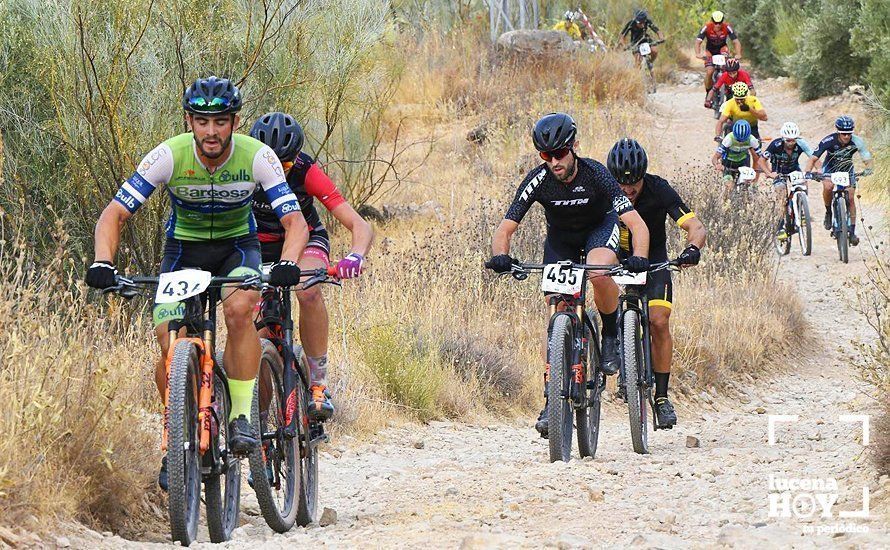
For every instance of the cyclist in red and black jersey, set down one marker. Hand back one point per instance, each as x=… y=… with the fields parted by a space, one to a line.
x=732 y=73
x=308 y=182
x=716 y=32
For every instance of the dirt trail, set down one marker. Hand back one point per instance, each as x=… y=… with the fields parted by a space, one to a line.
x=479 y=486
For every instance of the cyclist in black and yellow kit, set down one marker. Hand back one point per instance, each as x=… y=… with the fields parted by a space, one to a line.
x=655 y=199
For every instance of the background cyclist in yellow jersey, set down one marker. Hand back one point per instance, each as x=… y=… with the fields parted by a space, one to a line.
x=569 y=26
x=741 y=106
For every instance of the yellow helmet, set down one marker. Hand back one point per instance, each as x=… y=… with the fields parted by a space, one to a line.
x=717 y=16
x=739 y=89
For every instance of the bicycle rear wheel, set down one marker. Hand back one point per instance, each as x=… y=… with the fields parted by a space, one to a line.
x=804 y=227
x=183 y=456
x=276 y=493
x=843 y=230
x=223 y=501
x=637 y=398
x=587 y=419
x=559 y=406
x=307 y=510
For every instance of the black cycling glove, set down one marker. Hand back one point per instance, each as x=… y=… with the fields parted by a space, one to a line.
x=691 y=255
x=637 y=264
x=101 y=275
x=502 y=263
x=284 y=273
x=744 y=107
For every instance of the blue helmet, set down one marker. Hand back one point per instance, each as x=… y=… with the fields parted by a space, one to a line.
x=741 y=130
x=844 y=123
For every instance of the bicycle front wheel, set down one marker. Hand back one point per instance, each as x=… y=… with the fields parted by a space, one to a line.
x=804 y=227
x=843 y=230
x=307 y=505
x=223 y=500
x=637 y=398
x=273 y=466
x=559 y=406
x=587 y=418
x=183 y=456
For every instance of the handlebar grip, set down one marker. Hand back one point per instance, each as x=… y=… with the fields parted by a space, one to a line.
x=332 y=270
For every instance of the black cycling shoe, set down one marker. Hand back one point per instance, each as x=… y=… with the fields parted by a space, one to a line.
x=543 y=423
x=826 y=223
x=242 y=437
x=667 y=417
x=162 y=475
x=854 y=240
x=610 y=361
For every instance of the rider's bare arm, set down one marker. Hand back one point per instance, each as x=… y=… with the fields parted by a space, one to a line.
x=718 y=129
x=715 y=160
x=698 y=42
x=737 y=48
x=296 y=235
x=362 y=232
x=695 y=232
x=108 y=231
x=759 y=113
x=500 y=244
x=638 y=231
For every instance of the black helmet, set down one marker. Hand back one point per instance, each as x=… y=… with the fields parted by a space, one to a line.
x=627 y=161
x=732 y=64
x=280 y=132
x=641 y=15
x=212 y=96
x=554 y=131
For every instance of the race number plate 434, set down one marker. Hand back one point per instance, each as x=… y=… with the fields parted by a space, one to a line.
x=562 y=279
x=179 y=285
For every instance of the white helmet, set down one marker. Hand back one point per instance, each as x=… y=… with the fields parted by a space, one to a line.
x=790 y=131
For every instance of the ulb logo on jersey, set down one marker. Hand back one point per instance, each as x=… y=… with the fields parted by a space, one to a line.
x=226 y=176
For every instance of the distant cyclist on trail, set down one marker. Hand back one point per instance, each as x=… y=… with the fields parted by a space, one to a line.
x=655 y=200
x=741 y=106
x=638 y=30
x=839 y=149
x=783 y=156
x=569 y=26
x=715 y=33
x=732 y=73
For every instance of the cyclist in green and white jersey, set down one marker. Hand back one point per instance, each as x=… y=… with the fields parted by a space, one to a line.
x=210 y=175
x=738 y=148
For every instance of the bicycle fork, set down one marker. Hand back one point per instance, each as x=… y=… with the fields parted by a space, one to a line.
x=205 y=388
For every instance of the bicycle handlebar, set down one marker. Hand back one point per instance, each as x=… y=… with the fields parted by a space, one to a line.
x=637 y=45
x=521 y=271
x=823 y=175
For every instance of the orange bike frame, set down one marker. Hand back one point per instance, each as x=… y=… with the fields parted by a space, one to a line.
x=205 y=390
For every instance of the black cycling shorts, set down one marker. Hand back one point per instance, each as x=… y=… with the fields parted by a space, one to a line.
x=575 y=246
x=225 y=257
x=659 y=289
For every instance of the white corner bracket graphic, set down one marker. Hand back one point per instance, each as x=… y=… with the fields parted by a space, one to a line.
x=771 y=424
x=864 y=419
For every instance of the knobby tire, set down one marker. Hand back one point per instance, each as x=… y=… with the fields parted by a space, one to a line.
x=559 y=408
x=223 y=501
x=183 y=457
x=637 y=400
x=587 y=419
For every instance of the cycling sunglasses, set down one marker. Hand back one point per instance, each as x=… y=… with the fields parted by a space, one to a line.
x=215 y=105
x=557 y=154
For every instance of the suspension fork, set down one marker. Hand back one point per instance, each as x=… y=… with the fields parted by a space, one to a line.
x=291 y=369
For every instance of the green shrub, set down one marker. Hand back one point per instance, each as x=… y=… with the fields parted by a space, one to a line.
x=872 y=36
x=409 y=378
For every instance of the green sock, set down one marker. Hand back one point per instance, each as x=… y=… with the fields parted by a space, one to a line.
x=241 y=392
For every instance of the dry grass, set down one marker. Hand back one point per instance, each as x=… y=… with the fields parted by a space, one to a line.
x=73 y=377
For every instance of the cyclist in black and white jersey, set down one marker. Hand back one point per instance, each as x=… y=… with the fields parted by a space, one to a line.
x=582 y=204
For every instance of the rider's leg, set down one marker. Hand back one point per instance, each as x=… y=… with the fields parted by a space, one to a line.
x=605 y=291
x=709 y=75
x=662 y=342
x=781 y=200
x=654 y=53
x=827 y=189
x=242 y=354
x=314 y=320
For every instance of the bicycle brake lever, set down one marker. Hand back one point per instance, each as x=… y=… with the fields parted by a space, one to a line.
x=519 y=274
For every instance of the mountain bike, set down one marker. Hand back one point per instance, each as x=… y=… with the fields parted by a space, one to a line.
x=644 y=50
x=196 y=404
x=635 y=375
x=573 y=379
x=840 y=213
x=797 y=214
x=284 y=469
x=742 y=179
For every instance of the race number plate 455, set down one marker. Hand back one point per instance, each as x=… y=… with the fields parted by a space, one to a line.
x=179 y=285
x=645 y=48
x=562 y=279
